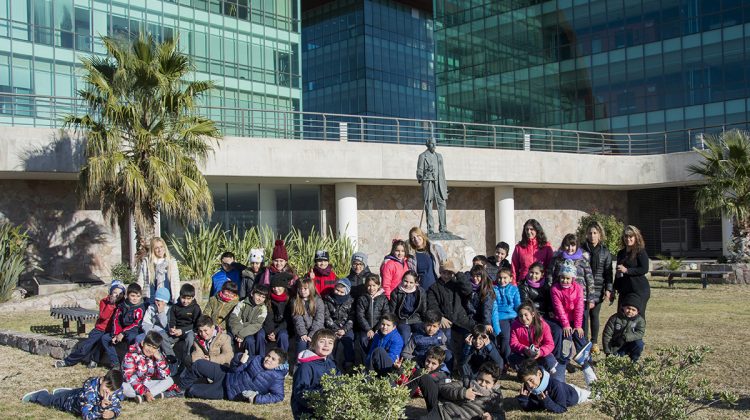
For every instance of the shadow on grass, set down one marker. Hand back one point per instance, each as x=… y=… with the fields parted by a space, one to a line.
x=208 y=411
x=47 y=329
x=743 y=404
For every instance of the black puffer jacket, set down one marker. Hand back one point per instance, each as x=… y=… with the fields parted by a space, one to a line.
x=601 y=267
x=397 y=302
x=358 y=283
x=540 y=297
x=339 y=316
x=448 y=299
x=370 y=309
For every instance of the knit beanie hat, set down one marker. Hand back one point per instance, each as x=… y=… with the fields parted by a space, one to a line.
x=359 y=257
x=281 y=279
x=162 y=294
x=117 y=284
x=346 y=283
x=256 y=255
x=631 y=299
x=321 y=255
x=568 y=269
x=279 y=251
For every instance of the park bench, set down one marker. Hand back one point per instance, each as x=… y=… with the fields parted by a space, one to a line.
x=703 y=275
x=73 y=313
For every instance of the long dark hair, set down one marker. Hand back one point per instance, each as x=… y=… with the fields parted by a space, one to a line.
x=485 y=284
x=541 y=238
x=536 y=323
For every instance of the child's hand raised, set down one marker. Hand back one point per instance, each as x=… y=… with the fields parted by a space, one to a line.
x=398 y=362
x=468 y=339
x=486 y=416
x=245 y=357
x=470 y=394
x=524 y=392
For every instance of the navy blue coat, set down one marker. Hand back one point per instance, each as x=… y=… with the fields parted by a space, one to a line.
x=472 y=359
x=307 y=378
x=559 y=396
x=252 y=375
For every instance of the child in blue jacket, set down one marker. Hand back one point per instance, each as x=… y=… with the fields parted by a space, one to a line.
x=386 y=346
x=478 y=349
x=540 y=391
x=507 y=300
x=100 y=397
x=312 y=365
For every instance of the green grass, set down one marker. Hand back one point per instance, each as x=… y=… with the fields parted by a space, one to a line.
x=685 y=315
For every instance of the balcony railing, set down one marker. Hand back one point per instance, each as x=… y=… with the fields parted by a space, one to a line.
x=48 y=111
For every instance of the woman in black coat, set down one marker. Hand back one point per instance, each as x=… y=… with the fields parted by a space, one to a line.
x=632 y=267
x=601 y=268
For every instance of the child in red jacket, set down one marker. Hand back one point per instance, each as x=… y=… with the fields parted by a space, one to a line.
x=322 y=274
x=91 y=347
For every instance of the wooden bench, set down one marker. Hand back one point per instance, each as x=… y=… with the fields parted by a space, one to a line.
x=73 y=313
x=703 y=275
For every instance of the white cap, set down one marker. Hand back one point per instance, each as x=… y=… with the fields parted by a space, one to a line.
x=256 y=255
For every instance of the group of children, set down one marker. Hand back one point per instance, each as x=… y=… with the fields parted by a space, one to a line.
x=464 y=332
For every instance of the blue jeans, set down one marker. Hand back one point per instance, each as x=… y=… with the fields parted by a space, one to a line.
x=55 y=401
x=88 y=348
x=347 y=341
x=632 y=349
x=557 y=338
x=255 y=344
x=127 y=340
x=547 y=362
x=503 y=342
x=405 y=330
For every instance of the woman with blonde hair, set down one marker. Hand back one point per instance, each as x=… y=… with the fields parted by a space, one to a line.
x=428 y=257
x=158 y=269
x=632 y=266
x=600 y=260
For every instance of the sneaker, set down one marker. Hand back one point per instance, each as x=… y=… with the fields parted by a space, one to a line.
x=138 y=399
x=56 y=390
x=584 y=355
x=173 y=394
x=570 y=368
x=31 y=396
x=60 y=364
x=553 y=370
x=567 y=348
x=589 y=376
x=595 y=349
x=92 y=365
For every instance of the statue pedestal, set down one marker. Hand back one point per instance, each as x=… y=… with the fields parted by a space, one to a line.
x=457 y=250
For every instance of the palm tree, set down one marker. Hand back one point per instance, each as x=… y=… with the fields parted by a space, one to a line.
x=144 y=136
x=725 y=166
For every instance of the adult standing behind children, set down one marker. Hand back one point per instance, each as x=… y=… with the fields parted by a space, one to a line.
x=428 y=257
x=601 y=267
x=158 y=269
x=532 y=248
x=632 y=266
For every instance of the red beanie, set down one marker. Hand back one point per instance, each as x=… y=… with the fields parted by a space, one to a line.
x=279 y=251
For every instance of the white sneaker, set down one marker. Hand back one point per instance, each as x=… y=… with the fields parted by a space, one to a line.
x=56 y=390
x=588 y=375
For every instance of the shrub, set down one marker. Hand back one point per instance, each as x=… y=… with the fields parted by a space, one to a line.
x=13 y=243
x=658 y=387
x=612 y=228
x=199 y=250
x=360 y=395
x=123 y=273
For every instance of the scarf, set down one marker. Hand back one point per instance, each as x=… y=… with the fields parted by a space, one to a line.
x=475 y=287
x=405 y=290
x=279 y=298
x=323 y=272
x=532 y=283
x=543 y=384
x=573 y=257
x=392 y=258
x=222 y=296
x=206 y=344
x=340 y=300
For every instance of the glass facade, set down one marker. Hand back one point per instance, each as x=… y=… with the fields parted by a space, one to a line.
x=602 y=65
x=249 y=48
x=368 y=57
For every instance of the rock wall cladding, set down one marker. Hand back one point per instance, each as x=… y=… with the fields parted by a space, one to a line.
x=64 y=238
x=388 y=212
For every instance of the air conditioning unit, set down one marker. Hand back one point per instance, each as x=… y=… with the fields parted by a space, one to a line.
x=674 y=235
x=711 y=238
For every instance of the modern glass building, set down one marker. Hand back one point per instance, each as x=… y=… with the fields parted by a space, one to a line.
x=601 y=65
x=250 y=49
x=369 y=57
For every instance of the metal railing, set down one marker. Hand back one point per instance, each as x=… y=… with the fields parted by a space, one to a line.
x=47 y=111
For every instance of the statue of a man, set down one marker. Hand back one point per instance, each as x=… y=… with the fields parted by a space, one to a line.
x=431 y=175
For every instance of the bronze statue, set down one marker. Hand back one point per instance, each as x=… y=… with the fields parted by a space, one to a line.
x=431 y=175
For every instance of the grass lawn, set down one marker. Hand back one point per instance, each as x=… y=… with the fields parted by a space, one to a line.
x=686 y=315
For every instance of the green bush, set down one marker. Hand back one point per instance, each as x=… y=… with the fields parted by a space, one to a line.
x=657 y=387
x=13 y=243
x=612 y=228
x=123 y=273
x=199 y=250
x=360 y=395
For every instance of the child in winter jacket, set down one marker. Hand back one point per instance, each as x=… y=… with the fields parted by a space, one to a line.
x=429 y=336
x=100 y=397
x=409 y=303
x=251 y=272
x=222 y=304
x=386 y=346
x=370 y=308
x=357 y=274
x=126 y=324
x=230 y=271
x=322 y=274
x=157 y=319
x=393 y=267
x=530 y=338
x=313 y=364
x=308 y=313
x=258 y=380
x=540 y=391
x=278 y=320
x=339 y=319
x=569 y=252
x=478 y=349
x=480 y=304
x=426 y=384
x=535 y=289
x=448 y=295
x=507 y=299
x=246 y=322
x=212 y=343
x=90 y=348
x=481 y=399
x=145 y=370
x=182 y=319
x=499 y=260
x=623 y=334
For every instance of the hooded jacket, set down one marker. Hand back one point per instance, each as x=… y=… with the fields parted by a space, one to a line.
x=584 y=276
x=219 y=310
x=324 y=283
x=155 y=321
x=397 y=303
x=251 y=375
x=105 y=321
x=247 y=318
x=339 y=316
x=221 y=277
x=370 y=309
x=620 y=330
x=307 y=376
x=601 y=268
x=454 y=405
x=449 y=298
x=472 y=359
x=391 y=272
x=280 y=316
x=480 y=310
x=87 y=403
x=137 y=368
x=568 y=304
x=507 y=300
x=128 y=317
x=524 y=256
x=308 y=324
x=522 y=337
x=218 y=348
x=358 y=283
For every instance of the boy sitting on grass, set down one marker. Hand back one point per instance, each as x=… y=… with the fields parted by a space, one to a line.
x=540 y=391
x=482 y=399
x=145 y=371
x=623 y=334
x=98 y=398
x=313 y=364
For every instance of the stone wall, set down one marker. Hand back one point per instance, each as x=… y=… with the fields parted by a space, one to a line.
x=64 y=238
x=37 y=343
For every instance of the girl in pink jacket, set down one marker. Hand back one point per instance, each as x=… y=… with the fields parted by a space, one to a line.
x=394 y=266
x=531 y=338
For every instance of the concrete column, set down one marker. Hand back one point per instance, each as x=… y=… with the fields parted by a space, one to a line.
x=505 y=217
x=346 y=211
x=726 y=234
